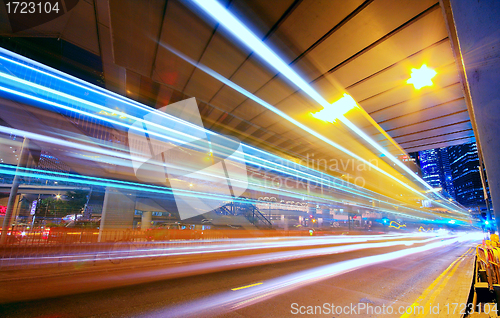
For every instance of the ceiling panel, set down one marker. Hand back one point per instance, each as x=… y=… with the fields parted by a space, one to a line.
x=185 y=32
x=375 y=21
x=446 y=76
x=425 y=114
x=442 y=144
x=267 y=118
x=292 y=38
x=440 y=96
x=223 y=55
x=135 y=48
x=296 y=105
x=418 y=38
x=275 y=90
x=429 y=123
x=249 y=109
x=438 y=138
x=202 y=85
x=259 y=15
x=437 y=131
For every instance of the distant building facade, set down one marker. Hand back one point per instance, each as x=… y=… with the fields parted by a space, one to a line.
x=464 y=164
x=431 y=167
x=436 y=169
x=446 y=174
x=455 y=170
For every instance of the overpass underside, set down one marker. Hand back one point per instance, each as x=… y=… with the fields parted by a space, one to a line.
x=264 y=143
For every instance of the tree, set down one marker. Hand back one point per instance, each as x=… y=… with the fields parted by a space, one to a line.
x=70 y=203
x=75 y=201
x=50 y=207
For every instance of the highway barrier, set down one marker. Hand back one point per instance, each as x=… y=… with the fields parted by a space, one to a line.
x=486 y=288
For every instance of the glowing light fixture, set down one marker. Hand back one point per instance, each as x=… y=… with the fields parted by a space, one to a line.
x=421 y=77
x=337 y=109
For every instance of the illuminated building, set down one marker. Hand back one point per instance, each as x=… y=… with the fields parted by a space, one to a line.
x=436 y=169
x=464 y=164
x=431 y=167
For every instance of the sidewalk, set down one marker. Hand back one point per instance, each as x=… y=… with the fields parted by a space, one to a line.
x=447 y=296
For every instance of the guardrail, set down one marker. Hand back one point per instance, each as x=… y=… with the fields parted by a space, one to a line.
x=487 y=275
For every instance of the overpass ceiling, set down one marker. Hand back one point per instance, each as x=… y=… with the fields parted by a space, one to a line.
x=364 y=48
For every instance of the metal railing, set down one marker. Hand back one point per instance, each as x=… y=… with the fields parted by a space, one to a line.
x=249 y=211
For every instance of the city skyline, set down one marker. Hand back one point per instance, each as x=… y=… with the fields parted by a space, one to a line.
x=455 y=170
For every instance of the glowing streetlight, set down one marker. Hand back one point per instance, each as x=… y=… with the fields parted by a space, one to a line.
x=421 y=77
x=58 y=196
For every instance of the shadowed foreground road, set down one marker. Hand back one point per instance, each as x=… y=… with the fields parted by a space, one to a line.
x=397 y=283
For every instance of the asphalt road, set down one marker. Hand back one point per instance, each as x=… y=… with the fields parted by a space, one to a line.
x=396 y=283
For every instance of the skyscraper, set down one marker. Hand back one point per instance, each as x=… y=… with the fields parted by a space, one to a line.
x=464 y=164
x=436 y=169
x=431 y=167
x=446 y=175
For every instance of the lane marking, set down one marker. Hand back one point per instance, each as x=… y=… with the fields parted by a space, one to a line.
x=442 y=286
x=434 y=283
x=238 y=288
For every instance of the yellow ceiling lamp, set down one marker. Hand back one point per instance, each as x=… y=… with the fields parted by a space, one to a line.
x=421 y=77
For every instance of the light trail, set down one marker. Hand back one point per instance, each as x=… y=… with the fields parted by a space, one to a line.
x=122 y=155
x=160 y=134
x=192 y=248
x=228 y=301
x=247 y=286
x=310 y=174
x=297 y=123
x=87 y=180
x=107 y=94
x=220 y=14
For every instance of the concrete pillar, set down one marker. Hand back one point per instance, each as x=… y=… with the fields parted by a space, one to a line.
x=475 y=27
x=12 y=203
x=117 y=213
x=146 y=219
x=17 y=208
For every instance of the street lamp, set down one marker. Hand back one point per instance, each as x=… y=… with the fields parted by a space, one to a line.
x=421 y=77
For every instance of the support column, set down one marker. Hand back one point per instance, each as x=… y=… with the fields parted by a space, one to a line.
x=146 y=219
x=114 y=75
x=475 y=33
x=11 y=204
x=117 y=214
